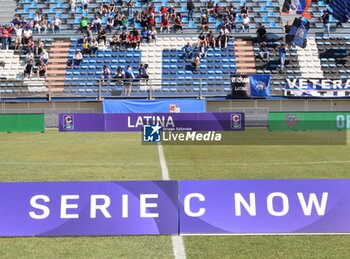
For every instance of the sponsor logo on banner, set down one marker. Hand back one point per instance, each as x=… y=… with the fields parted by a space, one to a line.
x=236 y=121
x=291 y=120
x=152 y=133
x=68 y=122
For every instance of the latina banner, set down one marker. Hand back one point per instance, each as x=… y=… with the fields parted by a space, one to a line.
x=89 y=208
x=134 y=122
x=301 y=121
x=264 y=206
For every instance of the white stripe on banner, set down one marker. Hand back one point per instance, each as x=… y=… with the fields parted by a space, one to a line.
x=177 y=241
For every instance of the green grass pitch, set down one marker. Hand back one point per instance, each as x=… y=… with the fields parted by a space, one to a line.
x=57 y=156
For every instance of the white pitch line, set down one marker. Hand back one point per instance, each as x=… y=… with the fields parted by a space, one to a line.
x=177 y=241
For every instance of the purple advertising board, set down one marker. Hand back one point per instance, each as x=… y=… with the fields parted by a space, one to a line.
x=89 y=208
x=264 y=206
x=131 y=122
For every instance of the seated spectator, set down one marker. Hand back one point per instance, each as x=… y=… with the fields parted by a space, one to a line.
x=130 y=6
x=85 y=4
x=151 y=21
x=153 y=34
x=165 y=24
x=201 y=39
x=109 y=24
x=261 y=34
x=124 y=23
x=119 y=75
x=27 y=34
x=101 y=36
x=123 y=39
x=30 y=45
x=129 y=78
x=30 y=56
x=42 y=70
x=205 y=23
x=225 y=21
x=210 y=38
x=145 y=35
x=72 y=4
x=187 y=51
x=223 y=38
x=19 y=31
x=244 y=10
x=96 y=23
x=232 y=22
x=56 y=25
x=117 y=20
x=37 y=18
x=210 y=8
x=202 y=51
x=28 y=69
x=115 y=43
x=143 y=73
x=106 y=73
x=171 y=12
x=137 y=38
x=94 y=46
x=245 y=23
x=163 y=11
x=111 y=6
x=104 y=8
x=217 y=11
x=84 y=21
x=264 y=51
x=38 y=47
x=44 y=57
x=195 y=63
x=231 y=9
x=144 y=18
x=43 y=25
x=178 y=24
x=86 y=47
x=78 y=57
x=88 y=34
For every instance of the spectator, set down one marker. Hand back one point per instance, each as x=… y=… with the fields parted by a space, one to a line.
x=109 y=24
x=261 y=34
x=187 y=51
x=85 y=4
x=104 y=9
x=326 y=24
x=223 y=38
x=29 y=56
x=115 y=43
x=137 y=38
x=43 y=25
x=6 y=37
x=244 y=10
x=201 y=39
x=153 y=34
x=101 y=36
x=217 y=11
x=28 y=69
x=97 y=23
x=124 y=23
x=231 y=9
x=106 y=73
x=86 y=47
x=123 y=40
x=145 y=35
x=130 y=6
x=165 y=24
x=38 y=47
x=19 y=31
x=44 y=57
x=129 y=78
x=27 y=34
x=56 y=25
x=37 y=19
x=119 y=75
x=282 y=56
x=84 y=21
x=210 y=7
x=144 y=18
x=245 y=23
x=225 y=21
x=203 y=51
x=72 y=4
x=205 y=23
x=264 y=51
x=111 y=7
x=210 y=38
x=94 y=46
x=30 y=45
x=42 y=69
x=163 y=11
x=171 y=12
x=195 y=63
x=190 y=8
x=143 y=73
x=78 y=57
x=232 y=22
x=178 y=24
x=151 y=21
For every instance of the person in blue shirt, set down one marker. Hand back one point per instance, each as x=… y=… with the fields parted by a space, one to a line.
x=129 y=78
x=282 y=55
x=188 y=51
x=145 y=35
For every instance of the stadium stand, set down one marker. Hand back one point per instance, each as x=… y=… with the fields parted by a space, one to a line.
x=169 y=73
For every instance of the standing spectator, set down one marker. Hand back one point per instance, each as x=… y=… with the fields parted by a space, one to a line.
x=165 y=24
x=264 y=51
x=56 y=25
x=78 y=57
x=129 y=78
x=27 y=34
x=326 y=24
x=190 y=8
x=187 y=51
x=106 y=73
x=85 y=4
x=96 y=23
x=94 y=46
x=145 y=35
x=44 y=57
x=130 y=6
x=205 y=23
x=101 y=36
x=245 y=23
x=84 y=21
x=178 y=24
x=72 y=4
x=287 y=28
x=261 y=34
x=28 y=69
x=143 y=73
x=282 y=55
x=6 y=37
x=119 y=75
x=153 y=34
x=19 y=31
x=42 y=69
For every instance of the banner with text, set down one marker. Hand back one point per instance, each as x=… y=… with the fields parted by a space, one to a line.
x=264 y=206
x=89 y=208
x=127 y=122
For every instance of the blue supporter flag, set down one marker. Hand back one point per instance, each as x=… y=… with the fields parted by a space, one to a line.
x=340 y=10
x=298 y=33
x=260 y=85
x=297 y=6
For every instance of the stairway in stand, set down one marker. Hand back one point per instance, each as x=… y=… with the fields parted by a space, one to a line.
x=244 y=53
x=56 y=72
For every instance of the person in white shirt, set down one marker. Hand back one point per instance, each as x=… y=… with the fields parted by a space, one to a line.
x=44 y=57
x=72 y=5
x=85 y=4
x=78 y=57
x=245 y=23
x=27 y=34
x=29 y=56
x=19 y=31
x=56 y=25
x=97 y=23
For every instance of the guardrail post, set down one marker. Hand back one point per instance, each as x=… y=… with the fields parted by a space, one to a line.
x=200 y=89
x=99 y=90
